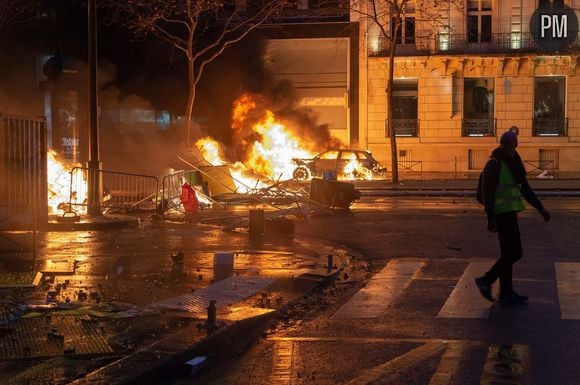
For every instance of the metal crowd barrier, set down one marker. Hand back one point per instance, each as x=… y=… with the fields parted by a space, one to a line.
x=121 y=190
x=171 y=190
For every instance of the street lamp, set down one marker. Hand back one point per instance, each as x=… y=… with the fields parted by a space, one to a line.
x=94 y=164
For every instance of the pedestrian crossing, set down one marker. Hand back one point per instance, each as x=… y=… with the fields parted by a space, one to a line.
x=568 y=280
x=463 y=302
x=382 y=289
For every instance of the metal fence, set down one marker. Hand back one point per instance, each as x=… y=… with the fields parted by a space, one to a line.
x=171 y=190
x=23 y=188
x=121 y=191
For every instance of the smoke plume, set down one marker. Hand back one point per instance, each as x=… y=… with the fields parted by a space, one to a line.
x=267 y=93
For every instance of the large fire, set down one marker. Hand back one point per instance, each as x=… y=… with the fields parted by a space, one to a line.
x=59 y=186
x=268 y=146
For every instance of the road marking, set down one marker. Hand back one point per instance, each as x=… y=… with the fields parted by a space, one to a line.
x=568 y=281
x=380 y=291
x=410 y=358
x=505 y=365
x=369 y=340
x=282 y=363
x=465 y=301
x=449 y=363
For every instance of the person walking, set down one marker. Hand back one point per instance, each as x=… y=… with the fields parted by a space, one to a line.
x=504 y=185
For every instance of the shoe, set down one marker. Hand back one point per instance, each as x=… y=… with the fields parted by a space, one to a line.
x=513 y=297
x=484 y=289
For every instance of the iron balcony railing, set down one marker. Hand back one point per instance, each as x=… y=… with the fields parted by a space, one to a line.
x=550 y=126
x=404 y=127
x=483 y=126
x=419 y=45
x=451 y=43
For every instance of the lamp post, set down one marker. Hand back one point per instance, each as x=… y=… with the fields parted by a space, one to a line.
x=94 y=164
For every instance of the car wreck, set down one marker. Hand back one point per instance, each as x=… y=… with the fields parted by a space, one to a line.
x=342 y=163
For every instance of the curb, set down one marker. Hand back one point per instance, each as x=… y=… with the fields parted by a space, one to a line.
x=459 y=193
x=100 y=223
x=166 y=357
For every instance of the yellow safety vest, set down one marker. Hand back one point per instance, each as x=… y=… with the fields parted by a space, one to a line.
x=507 y=193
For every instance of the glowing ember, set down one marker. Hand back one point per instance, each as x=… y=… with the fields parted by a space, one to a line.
x=59 y=186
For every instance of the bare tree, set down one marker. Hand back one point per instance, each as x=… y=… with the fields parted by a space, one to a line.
x=201 y=29
x=388 y=17
x=17 y=12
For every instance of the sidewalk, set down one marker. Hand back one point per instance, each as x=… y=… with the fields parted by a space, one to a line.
x=460 y=187
x=142 y=310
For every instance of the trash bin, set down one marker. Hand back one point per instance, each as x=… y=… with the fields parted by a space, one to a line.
x=333 y=193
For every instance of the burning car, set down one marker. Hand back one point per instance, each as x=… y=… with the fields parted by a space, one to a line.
x=344 y=163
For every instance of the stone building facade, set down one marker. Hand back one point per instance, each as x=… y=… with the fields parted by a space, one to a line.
x=462 y=80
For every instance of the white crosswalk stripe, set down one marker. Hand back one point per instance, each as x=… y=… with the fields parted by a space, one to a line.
x=382 y=289
x=465 y=301
x=568 y=281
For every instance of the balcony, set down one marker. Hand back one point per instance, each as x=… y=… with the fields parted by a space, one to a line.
x=420 y=45
x=497 y=43
x=450 y=43
x=480 y=126
x=550 y=127
x=317 y=11
x=404 y=127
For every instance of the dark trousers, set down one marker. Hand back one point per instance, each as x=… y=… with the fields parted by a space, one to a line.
x=510 y=245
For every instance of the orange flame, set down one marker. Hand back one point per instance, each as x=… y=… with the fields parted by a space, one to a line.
x=211 y=151
x=271 y=149
x=59 y=185
x=355 y=170
x=268 y=147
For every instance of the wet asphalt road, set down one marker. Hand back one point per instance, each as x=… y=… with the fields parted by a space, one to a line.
x=408 y=344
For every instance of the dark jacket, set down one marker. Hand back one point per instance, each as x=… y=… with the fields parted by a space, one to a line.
x=491 y=177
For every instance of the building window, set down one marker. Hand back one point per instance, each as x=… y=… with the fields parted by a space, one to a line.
x=549 y=159
x=479 y=21
x=549 y=102
x=405 y=107
x=444 y=36
x=478 y=95
x=319 y=4
x=476 y=159
x=406 y=34
x=516 y=27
